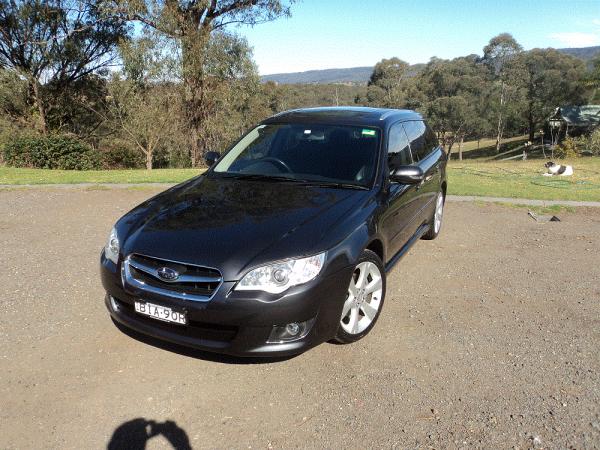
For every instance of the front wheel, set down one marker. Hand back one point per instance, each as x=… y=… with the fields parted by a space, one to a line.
x=364 y=299
x=436 y=221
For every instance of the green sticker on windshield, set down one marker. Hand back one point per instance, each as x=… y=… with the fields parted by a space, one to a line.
x=366 y=132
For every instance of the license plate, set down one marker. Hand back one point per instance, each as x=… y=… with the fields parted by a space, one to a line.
x=160 y=312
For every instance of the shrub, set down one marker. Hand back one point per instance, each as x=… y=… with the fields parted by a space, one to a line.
x=51 y=152
x=122 y=158
x=570 y=148
x=593 y=143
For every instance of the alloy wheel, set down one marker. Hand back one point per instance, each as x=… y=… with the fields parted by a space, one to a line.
x=363 y=299
x=439 y=211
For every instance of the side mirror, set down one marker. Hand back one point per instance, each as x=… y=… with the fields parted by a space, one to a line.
x=211 y=158
x=407 y=175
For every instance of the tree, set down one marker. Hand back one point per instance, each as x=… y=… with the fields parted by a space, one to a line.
x=448 y=116
x=455 y=98
x=144 y=107
x=145 y=116
x=192 y=23
x=551 y=79
x=386 y=87
x=499 y=55
x=69 y=109
x=592 y=80
x=145 y=100
x=13 y=106
x=233 y=84
x=13 y=95
x=280 y=97
x=53 y=45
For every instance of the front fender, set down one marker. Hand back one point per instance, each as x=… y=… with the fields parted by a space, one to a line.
x=347 y=252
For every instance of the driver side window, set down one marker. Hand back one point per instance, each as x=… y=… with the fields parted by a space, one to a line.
x=398 y=148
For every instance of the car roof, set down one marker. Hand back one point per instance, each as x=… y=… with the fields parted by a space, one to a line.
x=345 y=115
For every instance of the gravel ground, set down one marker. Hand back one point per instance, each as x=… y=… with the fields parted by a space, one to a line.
x=489 y=338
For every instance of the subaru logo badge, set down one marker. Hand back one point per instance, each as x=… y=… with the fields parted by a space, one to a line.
x=167 y=274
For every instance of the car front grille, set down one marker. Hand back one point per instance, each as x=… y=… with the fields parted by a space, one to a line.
x=192 y=282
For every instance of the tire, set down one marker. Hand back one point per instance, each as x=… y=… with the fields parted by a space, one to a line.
x=435 y=225
x=363 y=304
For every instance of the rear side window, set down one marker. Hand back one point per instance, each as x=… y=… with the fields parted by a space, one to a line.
x=398 y=147
x=422 y=140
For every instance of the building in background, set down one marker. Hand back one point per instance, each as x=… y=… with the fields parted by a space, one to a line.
x=572 y=121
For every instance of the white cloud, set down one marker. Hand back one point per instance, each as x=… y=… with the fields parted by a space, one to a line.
x=576 y=39
x=596 y=22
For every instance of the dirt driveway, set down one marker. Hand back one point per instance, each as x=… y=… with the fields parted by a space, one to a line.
x=490 y=337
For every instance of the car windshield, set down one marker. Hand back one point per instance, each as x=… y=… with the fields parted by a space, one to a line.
x=333 y=154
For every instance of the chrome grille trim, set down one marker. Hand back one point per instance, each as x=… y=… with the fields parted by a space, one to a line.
x=181 y=279
x=137 y=287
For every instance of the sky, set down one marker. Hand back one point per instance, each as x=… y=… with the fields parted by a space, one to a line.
x=326 y=34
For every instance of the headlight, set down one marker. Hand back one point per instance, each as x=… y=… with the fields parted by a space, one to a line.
x=111 y=251
x=277 y=277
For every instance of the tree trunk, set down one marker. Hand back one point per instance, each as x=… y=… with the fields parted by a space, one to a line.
x=460 y=145
x=149 y=155
x=193 y=107
x=195 y=126
x=194 y=46
x=531 y=124
x=500 y=123
x=39 y=104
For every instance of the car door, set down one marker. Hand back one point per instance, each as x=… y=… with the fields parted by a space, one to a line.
x=401 y=199
x=428 y=156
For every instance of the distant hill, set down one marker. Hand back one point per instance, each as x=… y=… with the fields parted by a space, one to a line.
x=361 y=75
x=585 y=53
x=352 y=75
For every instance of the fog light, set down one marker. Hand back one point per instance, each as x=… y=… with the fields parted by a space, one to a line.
x=290 y=332
x=113 y=303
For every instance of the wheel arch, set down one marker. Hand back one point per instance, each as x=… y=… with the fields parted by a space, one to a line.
x=376 y=246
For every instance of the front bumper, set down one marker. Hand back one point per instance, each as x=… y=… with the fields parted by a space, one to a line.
x=236 y=322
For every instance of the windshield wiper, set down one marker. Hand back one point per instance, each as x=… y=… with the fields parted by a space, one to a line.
x=304 y=182
x=256 y=176
x=332 y=184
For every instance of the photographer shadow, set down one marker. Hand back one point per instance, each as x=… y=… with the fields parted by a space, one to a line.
x=134 y=434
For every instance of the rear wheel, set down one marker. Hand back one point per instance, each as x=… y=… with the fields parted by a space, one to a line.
x=364 y=299
x=436 y=221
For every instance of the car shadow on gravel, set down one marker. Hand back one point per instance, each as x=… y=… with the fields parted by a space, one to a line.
x=134 y=435
x=198 y=354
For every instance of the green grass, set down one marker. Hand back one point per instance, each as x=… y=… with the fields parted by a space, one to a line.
x=9 y=175
x=523 y=179
x=515 y=179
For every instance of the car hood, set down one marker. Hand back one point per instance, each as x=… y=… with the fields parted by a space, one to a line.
x=233 y=225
